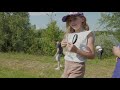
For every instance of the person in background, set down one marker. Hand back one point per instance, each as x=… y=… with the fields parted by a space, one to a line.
x=58 y=54
x=99 y=50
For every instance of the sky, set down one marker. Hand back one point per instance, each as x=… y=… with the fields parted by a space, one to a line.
x=41 y=19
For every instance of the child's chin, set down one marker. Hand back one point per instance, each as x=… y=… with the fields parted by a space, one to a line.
x=75 y=29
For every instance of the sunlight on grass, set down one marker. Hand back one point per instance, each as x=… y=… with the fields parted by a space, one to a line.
x=14 y=65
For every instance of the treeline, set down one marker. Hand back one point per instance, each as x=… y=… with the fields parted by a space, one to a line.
x=18 y=35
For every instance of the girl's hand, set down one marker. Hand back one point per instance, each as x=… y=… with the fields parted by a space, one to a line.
x=72 y=48
x=116 y=51
x=64 y=43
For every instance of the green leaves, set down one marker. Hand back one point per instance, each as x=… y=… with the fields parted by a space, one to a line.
x=111 y=25
x=18 y=35
x=13 y=28
x=110 y=20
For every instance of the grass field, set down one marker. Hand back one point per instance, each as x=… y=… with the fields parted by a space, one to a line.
x=14 y=65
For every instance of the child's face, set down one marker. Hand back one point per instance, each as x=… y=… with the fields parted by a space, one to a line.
x=75 y=22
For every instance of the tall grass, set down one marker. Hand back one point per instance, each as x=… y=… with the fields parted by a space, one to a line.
x=20 y=65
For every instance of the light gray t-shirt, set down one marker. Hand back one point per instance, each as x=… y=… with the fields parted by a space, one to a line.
x=81 y=43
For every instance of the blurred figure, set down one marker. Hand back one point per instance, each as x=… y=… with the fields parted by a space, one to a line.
x=99 y=50
x=58 y=55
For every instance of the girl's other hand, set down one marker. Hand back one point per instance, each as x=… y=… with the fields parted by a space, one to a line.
x=71 y=47
x=64 y=43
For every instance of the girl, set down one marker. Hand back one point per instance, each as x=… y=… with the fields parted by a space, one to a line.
x=79 y=42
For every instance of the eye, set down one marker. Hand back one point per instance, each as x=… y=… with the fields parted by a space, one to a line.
x=75 y=18
x=69 y=20
x=72 y=19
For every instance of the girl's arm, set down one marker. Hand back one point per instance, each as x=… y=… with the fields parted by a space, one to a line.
x=90 y=52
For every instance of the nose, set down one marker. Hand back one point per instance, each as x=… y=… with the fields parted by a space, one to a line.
x=72 y=22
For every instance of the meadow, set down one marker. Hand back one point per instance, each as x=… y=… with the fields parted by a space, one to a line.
x=20 y=65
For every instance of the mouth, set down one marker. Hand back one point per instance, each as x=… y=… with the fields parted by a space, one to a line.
x=74 y=25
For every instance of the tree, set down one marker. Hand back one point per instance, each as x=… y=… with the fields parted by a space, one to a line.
x=48 y=37
x=110 y=20
x=14 y=27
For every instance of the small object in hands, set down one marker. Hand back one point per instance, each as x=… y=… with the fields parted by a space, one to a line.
x=75 y=37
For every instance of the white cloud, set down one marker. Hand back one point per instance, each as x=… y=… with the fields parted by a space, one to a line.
x=38 y=13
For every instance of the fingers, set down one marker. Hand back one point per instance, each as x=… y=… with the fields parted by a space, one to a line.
x=63 y=43
x=69 y=44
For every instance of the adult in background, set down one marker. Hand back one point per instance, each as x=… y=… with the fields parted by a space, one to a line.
x=99 y=50
x=58 y=54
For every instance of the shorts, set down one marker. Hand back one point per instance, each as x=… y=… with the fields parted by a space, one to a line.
x=58 y=57
x=74 y=70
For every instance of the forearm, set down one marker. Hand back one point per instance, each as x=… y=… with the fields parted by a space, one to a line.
x=88 y=55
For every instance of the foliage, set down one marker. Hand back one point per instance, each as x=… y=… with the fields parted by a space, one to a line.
x=110 y=20
x=104 y=39
x=18 y=35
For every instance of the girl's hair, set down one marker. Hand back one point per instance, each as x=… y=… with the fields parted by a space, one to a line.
x=71 y=30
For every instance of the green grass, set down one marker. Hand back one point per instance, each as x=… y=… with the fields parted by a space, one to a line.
x=100 y=69
x=19 y=65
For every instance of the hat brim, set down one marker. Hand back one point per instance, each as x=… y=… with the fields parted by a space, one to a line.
x=65 y=17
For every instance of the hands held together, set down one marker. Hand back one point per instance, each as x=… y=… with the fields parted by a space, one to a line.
x=70 y=47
